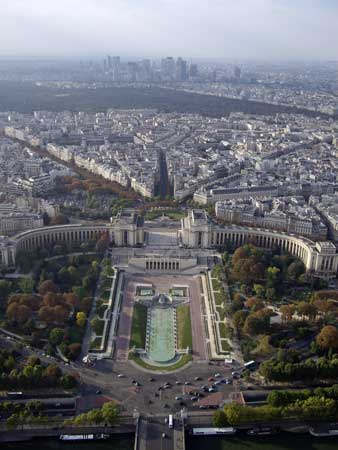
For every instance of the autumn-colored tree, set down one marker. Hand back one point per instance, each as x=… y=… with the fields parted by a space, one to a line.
x=74 y=351
x=328 y=338
x=60 y=314
x=31 y=301
x=254 y=304
x=308 y=310
x=71 y=299
x=103 y=243
x=325 y=306
x=85 y=305
x=287 y=312
x=257 y=323
x=47 y=286
x=81 y=319
x=52 y=299
x=46 y=314
x=18 y=313
x=238 y=319
x=60 y=219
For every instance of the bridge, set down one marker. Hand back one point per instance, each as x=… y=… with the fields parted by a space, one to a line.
x=153 y=433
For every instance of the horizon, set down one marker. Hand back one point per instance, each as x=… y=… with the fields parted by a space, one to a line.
x=248 y=30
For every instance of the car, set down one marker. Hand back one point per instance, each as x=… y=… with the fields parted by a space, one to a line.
x=212 y=389
x=194 y=398
x=197 y=378
x=164 y=435
x=217 y=375
x=178 y=397
x=187 y=383
x=151 y=379
x=211 y=379
x=120 y=375
x=216 y=383
x=178 y=382
x=98 y=392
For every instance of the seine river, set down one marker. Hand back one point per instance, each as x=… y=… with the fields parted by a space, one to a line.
x=280 y=442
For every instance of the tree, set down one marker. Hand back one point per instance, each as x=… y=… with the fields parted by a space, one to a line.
x=74 y=351
x=96 y=324
x=60 y=219
x=56 y=336
x=33 y=360
x=109 y=413
x=219 y=419
x=85 y=305
x=5 y=289
x=259 y=290
x=18 y=313
x=295 y=270
x=71 y=299
x=103 y=243
x=81 y=319
x=88 y=282
x=307 y=309
x=68 y=381
x=47 y=286
x=328 y=338
x=287 y=312
x=238 y=320
x=257 y=323
x=272 y=275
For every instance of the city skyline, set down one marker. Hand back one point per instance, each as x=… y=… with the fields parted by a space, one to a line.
x=250 y=29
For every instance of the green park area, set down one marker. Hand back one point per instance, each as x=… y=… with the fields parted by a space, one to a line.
x=139 y=326
x=172 y=214
x=49 y=307
x=183 y=323
x=282 y=317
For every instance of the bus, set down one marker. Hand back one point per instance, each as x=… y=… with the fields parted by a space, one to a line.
x=171 y=421
x=213 y=431
x=15 y=394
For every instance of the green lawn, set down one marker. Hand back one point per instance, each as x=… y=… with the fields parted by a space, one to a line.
x=99 y=328
x=216 y=284
x=182 y=362
x=219 y=298
x=225 y=346
x=184 y=336
x=95 y=344
x=171 y=213
x=221 y=312
x=105 y=295
x=139 y=326
x=224 y=330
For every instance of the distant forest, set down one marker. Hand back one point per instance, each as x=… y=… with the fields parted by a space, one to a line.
x=26 y=97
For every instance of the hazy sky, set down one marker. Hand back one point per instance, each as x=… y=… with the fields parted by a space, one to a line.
x=255 y=29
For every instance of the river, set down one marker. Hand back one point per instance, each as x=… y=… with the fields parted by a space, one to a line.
x=280 y=442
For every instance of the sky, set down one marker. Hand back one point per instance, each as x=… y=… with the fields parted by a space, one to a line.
x=268 y=30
